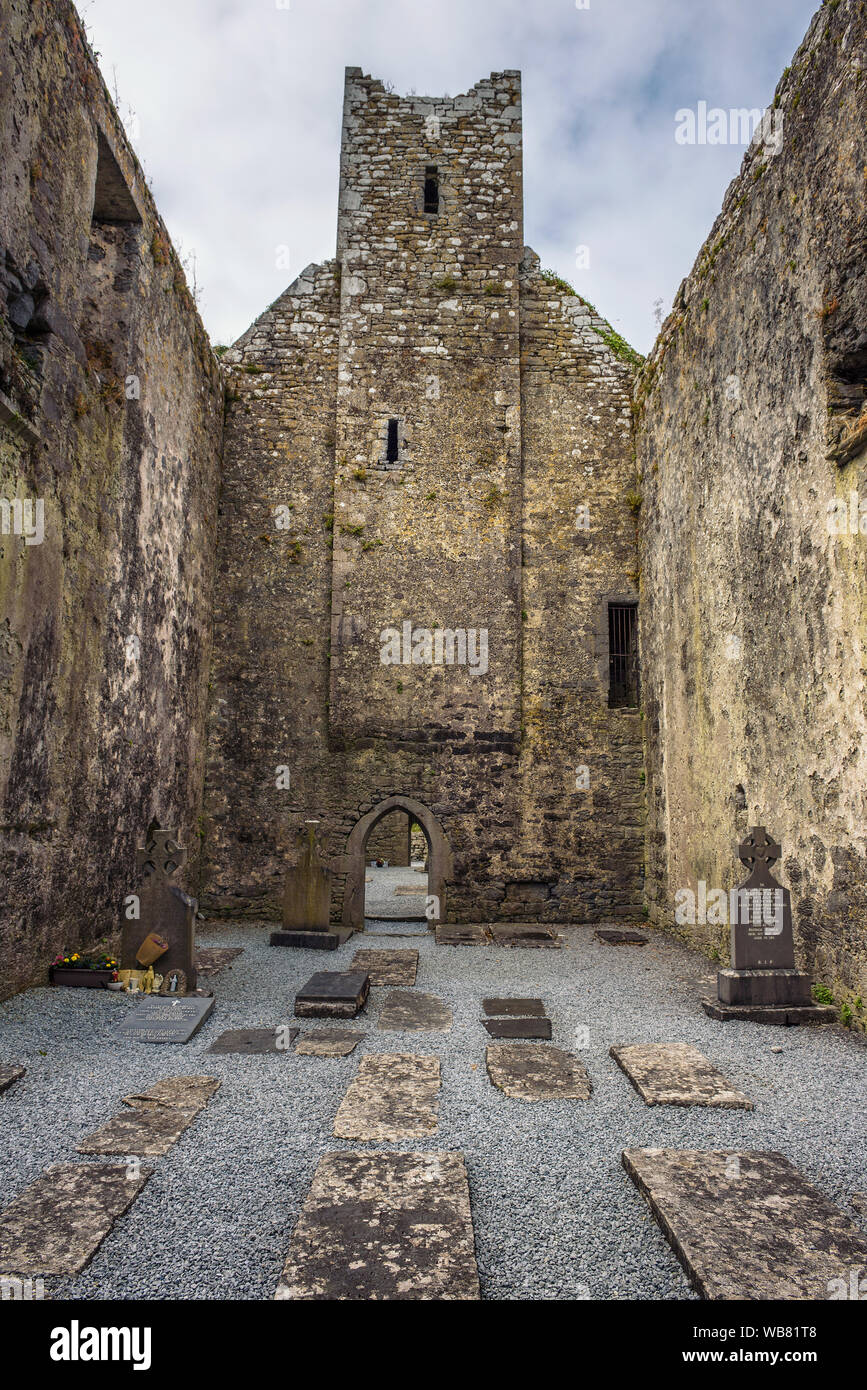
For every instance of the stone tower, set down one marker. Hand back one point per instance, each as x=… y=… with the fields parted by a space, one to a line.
x=429 y=243
x=411 y=611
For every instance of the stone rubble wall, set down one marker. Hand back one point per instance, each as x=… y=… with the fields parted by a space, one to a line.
x=390 y=840
x=96 y=737
x=269 y=680
x=754 y=619
x=583 y=848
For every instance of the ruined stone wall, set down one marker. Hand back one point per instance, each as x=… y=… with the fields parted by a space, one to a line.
x=389 y=840
x=110 y=416
x=269 y=683
x=752 y=424
x=582 y=845
x=419 y=321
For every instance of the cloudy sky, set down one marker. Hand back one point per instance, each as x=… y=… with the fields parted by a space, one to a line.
x=234 y=107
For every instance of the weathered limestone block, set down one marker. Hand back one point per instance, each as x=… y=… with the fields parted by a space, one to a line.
x=677 y=1074
x=387 y=967
x=393 y=1096
x=537 y=1072
x=384 y=1226
x=9 y=1075
x=158 y=1118
x=58 y=1223
x=407 y=1011
x=748 y=1225
x=328 y=1042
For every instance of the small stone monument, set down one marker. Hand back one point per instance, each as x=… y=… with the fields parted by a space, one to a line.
x=307 y=900
x=164 y=908
x=762 y=985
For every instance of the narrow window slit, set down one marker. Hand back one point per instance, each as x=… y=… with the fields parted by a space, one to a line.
x=431 y=189
x=391 y=448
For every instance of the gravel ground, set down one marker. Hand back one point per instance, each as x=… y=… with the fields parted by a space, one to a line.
x=555 y=1215
x=380 y=900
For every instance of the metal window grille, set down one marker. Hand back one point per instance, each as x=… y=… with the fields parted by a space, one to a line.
x=622 y=654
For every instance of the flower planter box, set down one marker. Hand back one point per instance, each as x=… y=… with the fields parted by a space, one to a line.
x=80 y=979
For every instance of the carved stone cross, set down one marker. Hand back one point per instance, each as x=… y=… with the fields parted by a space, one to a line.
x=761 y=924
x=161 y=855
x=759 y=849
x=163 y=908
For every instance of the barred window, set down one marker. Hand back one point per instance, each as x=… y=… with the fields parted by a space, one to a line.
x=622 y=655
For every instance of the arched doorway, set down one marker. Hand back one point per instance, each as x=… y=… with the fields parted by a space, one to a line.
x=439 y=857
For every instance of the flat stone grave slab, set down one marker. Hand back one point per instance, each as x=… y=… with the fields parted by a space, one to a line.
x=461 y=935
x=333 y=994
x=518 y=1027
x=329 y=1042
x=210 y=960
x=748 y=1225
x=59 y=1222
x=390 y=926
x=529 y=936
x=537 y=1072
x=161 y=1020
x=406 y=1011
x=155 y=1120
x=677 y=1074
x=514 y=1008
x=9 y=1075
x=255 y=1041
x=617 y=937
x=392 y=1096
x=387 y=967
x=384 y=1226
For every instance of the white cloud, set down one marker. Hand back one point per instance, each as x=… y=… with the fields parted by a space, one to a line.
x=239 y=108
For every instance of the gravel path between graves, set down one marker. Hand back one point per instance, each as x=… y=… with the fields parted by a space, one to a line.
x=555 y=1215
x=380 y=899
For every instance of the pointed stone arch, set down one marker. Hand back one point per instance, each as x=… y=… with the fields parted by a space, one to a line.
x=439 y=856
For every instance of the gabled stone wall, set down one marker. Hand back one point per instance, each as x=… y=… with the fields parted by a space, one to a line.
x=427 y=319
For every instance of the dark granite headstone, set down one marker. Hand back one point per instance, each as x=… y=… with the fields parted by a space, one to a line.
x=762 y=981
x=761 y=928
x=333 y=994
x=160 y=1020
x=329 y=940
x=164 y=908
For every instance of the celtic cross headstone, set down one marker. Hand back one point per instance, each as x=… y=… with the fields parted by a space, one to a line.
x=762 y=975
x=164 y=908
